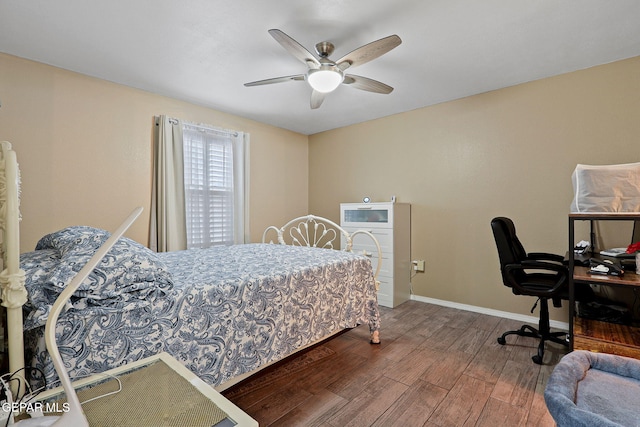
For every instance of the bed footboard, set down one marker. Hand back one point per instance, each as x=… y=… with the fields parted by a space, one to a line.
x=316 y=231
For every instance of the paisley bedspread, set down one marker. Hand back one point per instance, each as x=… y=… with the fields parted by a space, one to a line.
x=229 y=311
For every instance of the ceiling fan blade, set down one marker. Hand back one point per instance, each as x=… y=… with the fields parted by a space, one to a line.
x=295 y=48
x=365 y=83
x=368 y=52
x=275 y=80
x=316 y=99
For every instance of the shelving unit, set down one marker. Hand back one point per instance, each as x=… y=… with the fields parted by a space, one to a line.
x=594 y=335
x=390 y=223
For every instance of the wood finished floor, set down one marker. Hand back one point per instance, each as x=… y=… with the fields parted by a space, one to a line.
x=436 y=366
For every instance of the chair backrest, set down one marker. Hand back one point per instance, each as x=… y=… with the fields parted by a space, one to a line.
x=510 y=250
x=509 y=247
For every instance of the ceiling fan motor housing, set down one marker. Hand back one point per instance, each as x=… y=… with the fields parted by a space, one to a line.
x=324 y=49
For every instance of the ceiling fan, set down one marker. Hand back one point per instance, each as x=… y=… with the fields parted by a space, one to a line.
x=325 y=75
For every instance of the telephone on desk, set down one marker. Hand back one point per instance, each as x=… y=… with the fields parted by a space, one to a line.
x=606 y=267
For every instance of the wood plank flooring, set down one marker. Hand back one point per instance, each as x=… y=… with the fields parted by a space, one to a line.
x=436 y=366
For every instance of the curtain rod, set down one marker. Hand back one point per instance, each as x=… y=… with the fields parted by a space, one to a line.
x=201 y=127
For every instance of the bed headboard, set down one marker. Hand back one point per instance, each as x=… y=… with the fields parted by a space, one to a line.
x=319 y=232
x=309 y=230
x=12 y=277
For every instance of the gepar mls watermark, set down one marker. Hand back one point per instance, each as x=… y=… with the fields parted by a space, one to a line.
x=31 y=407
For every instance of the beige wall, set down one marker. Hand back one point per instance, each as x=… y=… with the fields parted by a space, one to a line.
x=84 y=148
x=509 y=152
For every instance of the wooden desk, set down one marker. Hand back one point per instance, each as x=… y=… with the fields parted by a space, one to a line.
x=156 y=391
x=595 y=335
x=581 y=274
x=605 y=337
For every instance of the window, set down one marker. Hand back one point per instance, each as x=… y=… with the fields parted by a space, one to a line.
x=214 y=186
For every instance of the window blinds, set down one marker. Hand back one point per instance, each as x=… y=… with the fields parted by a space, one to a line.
x=209 y=186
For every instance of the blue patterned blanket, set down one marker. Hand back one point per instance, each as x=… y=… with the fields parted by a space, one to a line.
x=222 y=311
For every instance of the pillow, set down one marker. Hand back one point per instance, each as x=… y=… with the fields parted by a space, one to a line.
x=128 y=273
x=127 y=267
x=74 y=240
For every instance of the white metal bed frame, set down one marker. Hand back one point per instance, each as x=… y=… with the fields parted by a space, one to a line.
x=12 y=278
x=309 y=230
x=319 y=232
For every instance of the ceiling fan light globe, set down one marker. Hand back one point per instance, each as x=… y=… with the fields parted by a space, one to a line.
x=325 y=81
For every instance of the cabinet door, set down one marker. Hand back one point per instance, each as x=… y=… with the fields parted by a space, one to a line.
x=366 y=216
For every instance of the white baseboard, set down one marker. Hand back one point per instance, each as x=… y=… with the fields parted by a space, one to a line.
x=491 y=312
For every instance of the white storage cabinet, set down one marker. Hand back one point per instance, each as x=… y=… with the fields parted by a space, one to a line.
x=390 y=223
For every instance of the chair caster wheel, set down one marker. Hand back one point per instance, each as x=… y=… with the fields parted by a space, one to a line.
x=502 y=341
x=537 y=359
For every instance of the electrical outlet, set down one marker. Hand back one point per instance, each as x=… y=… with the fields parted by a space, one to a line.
x=418 y=265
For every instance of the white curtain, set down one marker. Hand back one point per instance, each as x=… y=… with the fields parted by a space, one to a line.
x=168 y=231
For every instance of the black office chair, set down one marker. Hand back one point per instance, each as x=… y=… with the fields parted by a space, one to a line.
x=541 y=275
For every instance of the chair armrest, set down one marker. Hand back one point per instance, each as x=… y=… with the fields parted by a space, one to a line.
x=556 y=272
x=541 y=265
x=545 y=257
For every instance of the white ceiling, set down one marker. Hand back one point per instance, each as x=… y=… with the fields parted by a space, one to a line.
x=203 y=51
